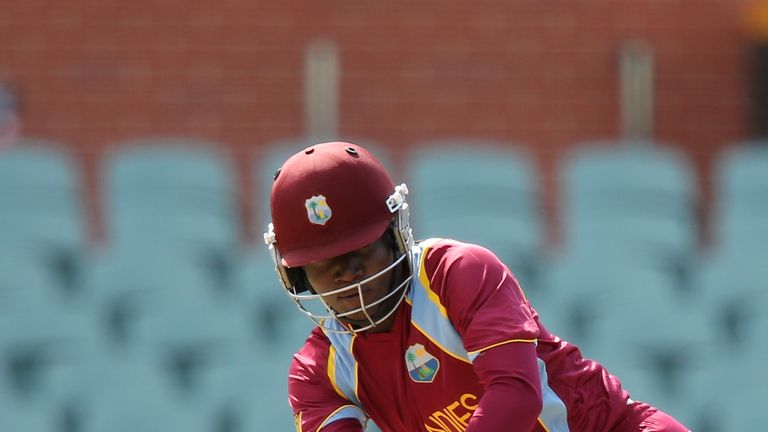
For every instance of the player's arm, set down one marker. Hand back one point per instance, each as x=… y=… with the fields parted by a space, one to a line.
x=512 y=399
x=490 y=312
x=316 y=405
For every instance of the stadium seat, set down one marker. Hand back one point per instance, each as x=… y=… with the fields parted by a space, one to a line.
x=262 y=389
x=41 y=217
x=188 y=352
x=735 y=290
x=42 y=353
x=172 y=196
x=40 y=196
x=278 y=330
x=129 y=284
x=735 y=385
x=740 y=217
x=275 y=321
x=182 y=340
x=633 y=198
x=170 y=191
x=631 y=319
x=25 y=283
x=126 y=395
x=481 y=192
x=196 y=344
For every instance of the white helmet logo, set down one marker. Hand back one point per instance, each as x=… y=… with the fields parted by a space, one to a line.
x=318 y=210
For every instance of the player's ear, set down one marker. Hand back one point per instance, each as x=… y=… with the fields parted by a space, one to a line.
x=298 y=280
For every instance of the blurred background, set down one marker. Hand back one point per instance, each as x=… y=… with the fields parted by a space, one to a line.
x=613 y=154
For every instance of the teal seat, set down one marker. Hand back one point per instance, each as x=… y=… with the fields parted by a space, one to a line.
x=198 y=347
x=42 y=353
x=632 y=320
x=735 y=290
x=128 y=285
x=179 y=372
x=480 y=192
x=736 y=385
x=741 y=208
x=20 y=417
x=177 y=191
x=633 y=198
x=275 y=320
x=265 y=407
x=27 y=283
x=40 y=197
x=126 y=395
x=41 y=216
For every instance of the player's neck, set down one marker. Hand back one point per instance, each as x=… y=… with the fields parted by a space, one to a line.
x=383 y=326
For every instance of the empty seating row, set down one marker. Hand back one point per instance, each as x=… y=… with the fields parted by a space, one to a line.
x=176 y=290
x=182 y=191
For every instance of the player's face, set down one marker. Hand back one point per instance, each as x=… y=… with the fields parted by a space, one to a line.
x=341 y=271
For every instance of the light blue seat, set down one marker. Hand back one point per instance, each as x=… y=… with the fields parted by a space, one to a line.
x=734 y=292
x=735 y=289
x=279 y=330
x=198 y=346
x=276 y=322
x=265 y=407
x=41 y=216
x=482 y=192
x=41 y=355
x=126 y=395
x=741 y=208
x=40 y=197
x=178 y=372
x=177 y=191
x=633 y=320
x=654 y=341
x=127 y=286
x=25 y=283
x=19 y=417
x=581 y=292
x=735 y=384
x=632 y=198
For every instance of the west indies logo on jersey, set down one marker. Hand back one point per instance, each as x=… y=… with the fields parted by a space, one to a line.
x=422 y=366
x=318 y=210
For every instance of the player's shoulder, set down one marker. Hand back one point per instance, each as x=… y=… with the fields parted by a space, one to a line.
x=439 y=253
x=314 y=352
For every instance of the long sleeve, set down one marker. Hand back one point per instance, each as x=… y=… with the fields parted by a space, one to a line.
x=512 y=400
x=491 y=314
x=315 y=403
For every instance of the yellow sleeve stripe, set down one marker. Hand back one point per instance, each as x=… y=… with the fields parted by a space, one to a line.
x=474 y=353
x=541 y=422
x=434 y=298
x=332 y=370
x=330 y=416
x=439 y=345
x=357 y=381
x=298 y=421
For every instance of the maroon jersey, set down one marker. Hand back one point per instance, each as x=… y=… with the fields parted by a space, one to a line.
x=419 y=376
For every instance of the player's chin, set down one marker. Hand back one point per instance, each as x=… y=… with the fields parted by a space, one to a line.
x=360 y=319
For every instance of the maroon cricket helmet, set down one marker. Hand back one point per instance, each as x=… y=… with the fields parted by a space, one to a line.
x=327 y=200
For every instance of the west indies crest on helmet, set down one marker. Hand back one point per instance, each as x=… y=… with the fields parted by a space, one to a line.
x=328 y=200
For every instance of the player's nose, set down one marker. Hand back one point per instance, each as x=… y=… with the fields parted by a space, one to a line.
x=350 y=270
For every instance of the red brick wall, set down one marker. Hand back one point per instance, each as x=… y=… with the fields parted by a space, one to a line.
x=539 y=72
